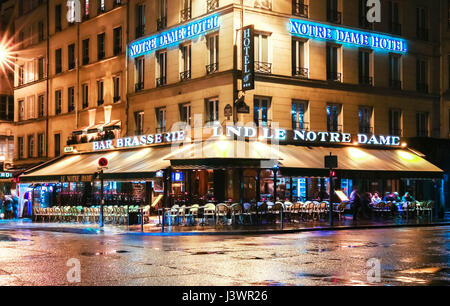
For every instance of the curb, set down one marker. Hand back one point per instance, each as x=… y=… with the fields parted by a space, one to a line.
x=97 y=231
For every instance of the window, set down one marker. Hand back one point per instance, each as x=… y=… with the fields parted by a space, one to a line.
x=58 y=61
x=57 y=144
x=422 y=23
x=394 y=71
x=212 y=5
x=394 y=24
x=185 y=113
x=334 y=118
x=58 y=18
x=422 y=124
x=40 y=31
x=21 y=78
x=139 y=64
x=333 y=14
x=6 y=108
x=261 y=107
x=140 y=20
x=365 y=77
x=299 y=63
x=160 y=119
x=365 y=119
x=30 y=107
x=185 y=73
x=161 y=68
x=85 y=88
x=101 y=6
x=30 y=146
x=20 y=147
x=40 y=145
x=264 y=4
x=213 y=54
x=117 y=41
x=41 y=106
x=262 y=64
x=421 y=75
x=58 y=102
x=212 y=109
x=86 y=51
x=71 y=56
x=41 y=68
x=333 y=63
x=101 y=46
x=395 y=122
x=299 y=8
x=363 y=10
x=21 y=104
x=162 y=15
x=71 y=99
x=298 y=112
x=116 y=89
x=86 y=9
x=100 y=91
x=186 y=13
x=139 y=118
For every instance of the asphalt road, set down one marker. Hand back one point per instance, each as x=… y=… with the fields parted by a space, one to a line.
x=407 y=256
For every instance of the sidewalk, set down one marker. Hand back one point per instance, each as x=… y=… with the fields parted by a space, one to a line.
x=154 y=229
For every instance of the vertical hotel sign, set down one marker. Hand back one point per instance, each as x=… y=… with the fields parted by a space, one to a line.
x=248 y=58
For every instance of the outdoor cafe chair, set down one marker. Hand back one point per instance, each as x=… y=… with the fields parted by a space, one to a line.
x=184 y=214
x=250 y=212
x=309 y=210
x=237 y=210
x=221 y=212
x=193 y=212
x=340 y=209
x=277 y=211
x=321 y=210
x=209 y=210
x=263 y=212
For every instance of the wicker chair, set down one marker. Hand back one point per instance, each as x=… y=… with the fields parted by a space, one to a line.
x=237 y=210
x=221 y=212
x=209 y=211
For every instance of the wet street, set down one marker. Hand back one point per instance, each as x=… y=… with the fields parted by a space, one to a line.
x=407 y=256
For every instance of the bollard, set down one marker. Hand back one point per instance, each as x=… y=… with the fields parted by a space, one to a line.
x=142 y=220
x=281 y=216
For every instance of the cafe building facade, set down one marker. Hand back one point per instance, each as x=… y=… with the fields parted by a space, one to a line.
x=316 y=69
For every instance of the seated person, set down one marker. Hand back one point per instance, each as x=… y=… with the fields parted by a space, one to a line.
x=396 y=197
x=375 y=199
x=407 y=198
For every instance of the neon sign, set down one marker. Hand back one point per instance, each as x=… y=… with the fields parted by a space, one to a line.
x=174 y=36
x=347 y=36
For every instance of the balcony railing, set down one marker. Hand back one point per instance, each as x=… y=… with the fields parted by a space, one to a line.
x=100 y=102
x=161 y=81
x=185 y=14
x=161 y=23
x=160 y=129
x=422 y=33
x=263 y=67
x=365 y=80
x=71 y=108
x=334 y=128
x=302 y=126
x=301 y=10
x=422 y=87
x=185 y=75
x=395 y=132
x=116 y=99
x=422 y=133
x=140 y=29
x=334 y=76
x=212 y=68
x=117 y=3
x=366 y=130
x=139 y=86
x=212 y=5
x=85 y=60
x=395 y=28
x=265 y=123
x=395 y=84
x=301 y=72
x=334 y=16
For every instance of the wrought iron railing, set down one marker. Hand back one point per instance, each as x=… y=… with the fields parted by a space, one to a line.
x=116 y=99
x=161 y=81
x=334 y=76
x=422 y=87
x=422 y=133
x=185 y=75
x=263 y=67
x=161 y=23
x=212 y=5
x=301 y=10
x=365 y=129
x=140 y=29
x=395 y=132
x=334 y=128
x=212 y=68
x=139 y=86
x=365 y=80
x=301 y=72
x=395 y=84
x=185 y=14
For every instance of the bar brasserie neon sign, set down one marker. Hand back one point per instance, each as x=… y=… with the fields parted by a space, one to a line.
x=347 y=36
x=174 y=36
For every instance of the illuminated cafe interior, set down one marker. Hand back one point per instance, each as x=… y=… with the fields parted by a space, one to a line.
x=228 y=171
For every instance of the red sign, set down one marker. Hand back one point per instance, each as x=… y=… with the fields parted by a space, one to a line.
x=103 y=162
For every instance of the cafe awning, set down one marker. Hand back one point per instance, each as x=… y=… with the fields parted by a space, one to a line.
x=354 y=161
x=123 y=165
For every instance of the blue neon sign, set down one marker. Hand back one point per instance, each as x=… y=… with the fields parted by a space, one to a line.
x=174 y=36
x=347 y=36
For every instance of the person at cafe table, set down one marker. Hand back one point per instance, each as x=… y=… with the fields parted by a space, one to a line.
x=375 y=199
x=407 y=197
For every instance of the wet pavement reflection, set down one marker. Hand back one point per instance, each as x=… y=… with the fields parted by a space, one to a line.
x=406 y=256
